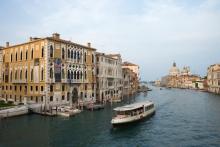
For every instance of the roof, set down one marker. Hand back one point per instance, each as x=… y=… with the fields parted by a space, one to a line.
x=53 y=39
x=128 y=64
x=133 y=106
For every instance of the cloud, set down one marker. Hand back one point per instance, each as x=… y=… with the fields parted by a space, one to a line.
x=151 y=33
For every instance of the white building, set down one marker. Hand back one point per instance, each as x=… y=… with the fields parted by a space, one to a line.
x=109 y=77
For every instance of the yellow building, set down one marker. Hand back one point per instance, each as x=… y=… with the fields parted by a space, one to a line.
x=49 y=70
x=1 y=48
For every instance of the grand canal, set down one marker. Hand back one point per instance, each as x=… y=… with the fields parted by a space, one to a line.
x=183 y=118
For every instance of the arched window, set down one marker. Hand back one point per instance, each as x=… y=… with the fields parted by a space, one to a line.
x=74 y=74
x=68 y=53
x=26 y=54
x=21 y=75
x=92 y=58
x=51 y=51
x=85 y=57
x=16 y=75
x=63 y=53
x=81 y=75
x=42 y=52
x=68 y=74
x=71 y=54
x=32 y=54
x=11 y=76
x=85 y=75
x=63 y=74
x=26 y=74
x=11 y=57
x=71 y=74
x=21 y=55
x=74 y=54
x=32 y=74
x=42 y=74
x=78 y=55
x=16 y=56
x=51 y=73
x=78 y=75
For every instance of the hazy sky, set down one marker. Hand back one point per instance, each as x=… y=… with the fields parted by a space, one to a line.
x=151 y=33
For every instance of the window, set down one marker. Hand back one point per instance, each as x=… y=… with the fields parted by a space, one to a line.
x=21 y=75
x=51 y=51
x=78 y=75
x=42 y=74
x=51 y=98
x=15 y=88
x=63 y=97
x=63 y=53
x=42 y=52
x=68 y=75
x=20 y=88
x=68 y=53
x=11 y=76
x=32 y=74
x=74 y=54
x=26 y=56
x=74 y=74
x=42 y=88
x=63 y=87
x=42 y=98
x=51 y=88
x=85 y=75
x=16 y=56
x=85 y=87
x=32 y=54
x=36 y=88
x=85 y=57
x=11 y=57
x=31 y=88
x=26 y=74
x=21 y=55
x=92 y=58
x=63 y=74
x=71 y=54
x=51 y=73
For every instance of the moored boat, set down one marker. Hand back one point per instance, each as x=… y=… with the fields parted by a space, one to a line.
x=133 y=112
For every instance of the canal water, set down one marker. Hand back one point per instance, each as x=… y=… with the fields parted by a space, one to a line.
x=183 y=118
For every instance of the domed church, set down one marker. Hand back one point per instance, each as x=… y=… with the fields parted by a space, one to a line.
x=174 y=71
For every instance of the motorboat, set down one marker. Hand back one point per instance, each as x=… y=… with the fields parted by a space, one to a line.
x=133 y=112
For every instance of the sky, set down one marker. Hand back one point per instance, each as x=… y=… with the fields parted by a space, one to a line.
x=150 y=33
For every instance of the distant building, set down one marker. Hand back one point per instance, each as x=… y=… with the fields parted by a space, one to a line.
x=1 y=61
x=179 y=79
x=174 y=70
x=213 y=78
x=135 y=68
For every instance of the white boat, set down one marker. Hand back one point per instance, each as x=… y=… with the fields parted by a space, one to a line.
x=15 y=111
x=133 y=112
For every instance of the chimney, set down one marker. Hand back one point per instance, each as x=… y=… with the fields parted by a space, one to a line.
x=89 y=44
x=56 y=35
x=30 y=39
x=7 y=44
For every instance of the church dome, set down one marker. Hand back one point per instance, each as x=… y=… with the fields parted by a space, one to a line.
x=174 y=71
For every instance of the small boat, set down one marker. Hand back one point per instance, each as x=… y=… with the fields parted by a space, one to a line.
x=133 y=112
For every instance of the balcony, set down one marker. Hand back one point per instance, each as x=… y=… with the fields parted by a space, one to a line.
x=19 y=81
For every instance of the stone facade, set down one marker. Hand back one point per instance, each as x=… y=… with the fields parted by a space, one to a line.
x=109 y=77
x=213 y=78
x=50 y=71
